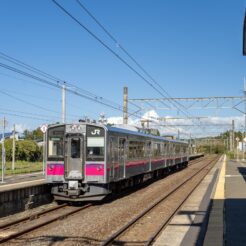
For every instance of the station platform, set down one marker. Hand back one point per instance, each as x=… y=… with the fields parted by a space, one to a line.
x=215 y=213
x=22 y=181
x=21 y=192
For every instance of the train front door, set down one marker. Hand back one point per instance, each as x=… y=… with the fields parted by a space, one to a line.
x=122 y=157
x=74 y=156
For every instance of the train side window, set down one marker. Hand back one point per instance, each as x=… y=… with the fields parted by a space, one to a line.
x=111 y=149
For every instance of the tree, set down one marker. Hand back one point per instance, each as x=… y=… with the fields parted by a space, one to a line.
x=33 y=135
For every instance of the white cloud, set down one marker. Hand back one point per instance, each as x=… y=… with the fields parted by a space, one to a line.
x=211 y=126
x=20 y=128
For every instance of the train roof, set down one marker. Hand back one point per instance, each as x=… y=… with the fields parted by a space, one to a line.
x=122 y=130
x=126 y=131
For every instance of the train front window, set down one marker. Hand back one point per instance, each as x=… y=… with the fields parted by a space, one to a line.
x=95 y=149
x=55 y=143
x=56 y=148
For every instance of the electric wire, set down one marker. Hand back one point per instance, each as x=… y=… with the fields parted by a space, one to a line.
x=126 y=52
x=55 y=79
x=112 y=51
x=32 y=104
x=59 y=86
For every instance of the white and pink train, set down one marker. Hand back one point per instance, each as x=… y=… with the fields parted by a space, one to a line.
x=86 y=161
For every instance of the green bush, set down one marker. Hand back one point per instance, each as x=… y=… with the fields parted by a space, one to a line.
x=25 y=150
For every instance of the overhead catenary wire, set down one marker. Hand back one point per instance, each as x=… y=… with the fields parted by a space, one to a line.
x=43 y=98
x=111 y=50
x=23 y=116
x=130 y=56
x=126 y=52
x=119 y=45
x=40 y=72
x=51 y=77
x=28 y=113
x=57 y=85
x=107 y=47
x=32 y=104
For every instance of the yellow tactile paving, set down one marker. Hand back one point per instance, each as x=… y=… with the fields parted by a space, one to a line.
x=220 y=188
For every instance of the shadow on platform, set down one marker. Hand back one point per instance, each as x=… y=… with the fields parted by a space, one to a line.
x=242 y=171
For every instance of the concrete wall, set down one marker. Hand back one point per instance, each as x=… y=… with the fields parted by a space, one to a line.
x=16 y=200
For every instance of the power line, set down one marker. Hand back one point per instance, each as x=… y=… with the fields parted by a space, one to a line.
x=49 y=76
x=55 y=79
x=109 y=49
x=33 y=69
x=106 y=46
x=125 y=51
x=57 y=85
x=28 y=67
x=22 y=112
x=22 y=116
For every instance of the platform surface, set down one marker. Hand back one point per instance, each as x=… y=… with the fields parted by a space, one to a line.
x=188 y=226
x=235 y=204
x=22 y=181
x=215 y=213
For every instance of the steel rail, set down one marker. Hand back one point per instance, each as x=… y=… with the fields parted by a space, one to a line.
x=30 y=217
x=163 y=225
x=41 y=224
x=110 y=239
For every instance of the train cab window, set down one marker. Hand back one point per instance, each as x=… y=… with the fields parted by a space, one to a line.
x=55 y=143
x=95 y=149
x=56 y=147
x=75 y=148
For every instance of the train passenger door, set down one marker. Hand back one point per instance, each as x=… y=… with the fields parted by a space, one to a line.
x=74 y=156
x=122 y=157
x=111 y=158
x=148 y=153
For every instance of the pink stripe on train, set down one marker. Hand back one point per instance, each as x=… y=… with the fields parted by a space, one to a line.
x=94 y=169
x=55 y=169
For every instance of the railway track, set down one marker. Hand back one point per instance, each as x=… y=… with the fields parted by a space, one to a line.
x=135 y=233
x=18 y=227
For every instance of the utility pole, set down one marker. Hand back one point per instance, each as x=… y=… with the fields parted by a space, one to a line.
x=3 y=150
x=125 y=106
x=237 y=139
x=44 y=128
x=244 y=134
x=63 y=116
x=13 y=149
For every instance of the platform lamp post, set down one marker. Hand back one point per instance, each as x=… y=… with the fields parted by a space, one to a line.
x=237 y=139
x=244 y=54
x=3 y=150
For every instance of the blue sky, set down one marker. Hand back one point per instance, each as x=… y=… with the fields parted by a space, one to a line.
x=192 y=48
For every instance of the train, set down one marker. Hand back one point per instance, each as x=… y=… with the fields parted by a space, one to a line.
x=88 y=161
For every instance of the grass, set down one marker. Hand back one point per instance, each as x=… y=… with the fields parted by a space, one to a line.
x=22 y=167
